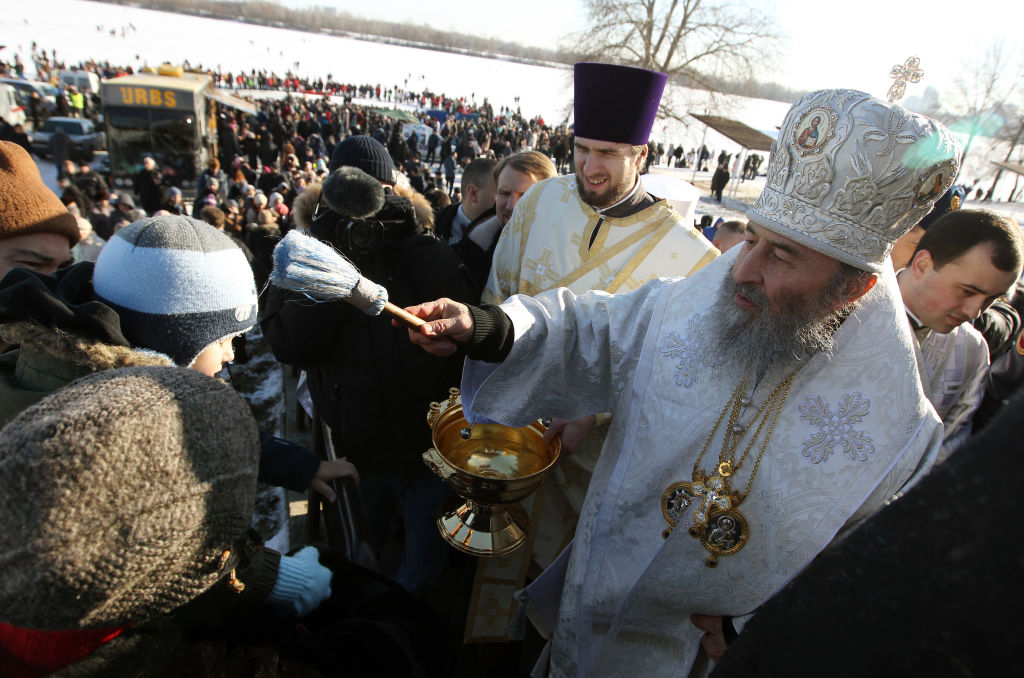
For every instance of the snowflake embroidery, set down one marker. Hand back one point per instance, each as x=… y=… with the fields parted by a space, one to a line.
x=686 y=352
x=836 y=428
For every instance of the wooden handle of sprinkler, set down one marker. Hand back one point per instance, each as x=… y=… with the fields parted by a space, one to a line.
x=408 y=318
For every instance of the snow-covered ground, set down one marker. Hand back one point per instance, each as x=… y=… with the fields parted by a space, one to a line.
x=80 y=30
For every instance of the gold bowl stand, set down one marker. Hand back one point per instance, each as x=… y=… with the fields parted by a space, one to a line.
x=491 y=467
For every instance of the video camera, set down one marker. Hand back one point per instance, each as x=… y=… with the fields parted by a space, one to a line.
x=361 y=236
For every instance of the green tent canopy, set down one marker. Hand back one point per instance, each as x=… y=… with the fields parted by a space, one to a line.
x=396 y=114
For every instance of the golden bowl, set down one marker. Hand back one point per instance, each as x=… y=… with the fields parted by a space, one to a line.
x=490 y=467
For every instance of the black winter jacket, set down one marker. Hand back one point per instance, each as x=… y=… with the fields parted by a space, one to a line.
x=476 y=260
x=370 y=384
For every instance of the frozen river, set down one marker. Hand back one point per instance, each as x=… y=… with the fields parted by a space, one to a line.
x=80 y=30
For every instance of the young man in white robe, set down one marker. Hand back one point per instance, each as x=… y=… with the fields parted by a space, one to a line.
x=964 y=262
x=759 y=406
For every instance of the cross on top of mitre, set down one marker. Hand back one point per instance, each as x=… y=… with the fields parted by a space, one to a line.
x=908 y=72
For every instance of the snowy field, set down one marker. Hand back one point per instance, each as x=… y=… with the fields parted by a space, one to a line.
x=80 y=30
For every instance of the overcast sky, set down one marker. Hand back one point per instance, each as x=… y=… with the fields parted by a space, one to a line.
x=825 y=44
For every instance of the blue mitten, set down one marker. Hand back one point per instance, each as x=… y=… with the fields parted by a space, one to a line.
x=302 y=584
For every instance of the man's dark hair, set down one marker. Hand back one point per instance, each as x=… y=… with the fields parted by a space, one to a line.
x=954 y=233
x=478 y=173
x=437 y=198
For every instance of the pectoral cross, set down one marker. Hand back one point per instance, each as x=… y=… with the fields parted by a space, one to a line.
x=908 y=72
x=715 y=496
x=712 y=493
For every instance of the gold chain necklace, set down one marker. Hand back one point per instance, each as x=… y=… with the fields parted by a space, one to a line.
x=717 y=522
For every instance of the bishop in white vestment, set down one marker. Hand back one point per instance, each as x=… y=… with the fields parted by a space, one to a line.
x=854 y=429
x=726 y=470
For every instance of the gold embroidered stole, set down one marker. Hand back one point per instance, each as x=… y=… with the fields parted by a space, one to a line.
x=653 y=232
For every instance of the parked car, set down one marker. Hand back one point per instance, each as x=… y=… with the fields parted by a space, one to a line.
x=83 y=138
x=47 y=92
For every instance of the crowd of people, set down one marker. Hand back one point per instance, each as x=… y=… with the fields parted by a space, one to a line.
x=730 y=407
x=467 y=129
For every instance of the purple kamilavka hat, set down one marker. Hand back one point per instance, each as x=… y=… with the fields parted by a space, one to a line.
x=616 y=103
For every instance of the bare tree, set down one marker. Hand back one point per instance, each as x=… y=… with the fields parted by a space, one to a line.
x=698 y=43
x=984 y=94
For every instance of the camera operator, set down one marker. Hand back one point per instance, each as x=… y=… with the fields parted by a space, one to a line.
x=367 y=381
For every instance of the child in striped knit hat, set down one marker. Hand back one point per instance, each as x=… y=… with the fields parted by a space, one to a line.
x=180 y=287
x=183 y=289
x=174 y=291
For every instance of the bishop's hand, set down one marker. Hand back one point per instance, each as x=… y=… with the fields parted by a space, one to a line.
x=713 y=640
x=449 y=323
x=572 y=431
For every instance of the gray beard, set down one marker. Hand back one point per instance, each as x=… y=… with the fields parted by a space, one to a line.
x=750 y=343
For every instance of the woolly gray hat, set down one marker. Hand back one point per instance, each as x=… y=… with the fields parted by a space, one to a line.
x=178 y=284
x=121 y=494
x=124 y=199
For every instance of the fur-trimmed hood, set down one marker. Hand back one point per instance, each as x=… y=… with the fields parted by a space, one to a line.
x=305 y=204
x=424 y=210
x=49 y=359
x=64 y=346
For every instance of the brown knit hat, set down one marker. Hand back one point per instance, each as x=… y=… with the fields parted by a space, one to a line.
x=120 y=495
x=26 y=204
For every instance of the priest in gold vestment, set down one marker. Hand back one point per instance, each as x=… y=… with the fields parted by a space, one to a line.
x=597 y=229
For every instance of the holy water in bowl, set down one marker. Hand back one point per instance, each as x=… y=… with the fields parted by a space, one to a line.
x=491 y=453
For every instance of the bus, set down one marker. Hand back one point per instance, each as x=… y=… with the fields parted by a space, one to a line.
x=167 y=116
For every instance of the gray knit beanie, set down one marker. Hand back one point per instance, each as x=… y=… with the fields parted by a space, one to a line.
x=122 y=495
x=178 y=285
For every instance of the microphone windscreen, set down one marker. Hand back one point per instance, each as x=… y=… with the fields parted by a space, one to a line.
x=353 y=193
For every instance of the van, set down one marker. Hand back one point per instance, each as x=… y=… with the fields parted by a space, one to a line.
x=85 y=81
x=47 y=92
x=11 y=109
